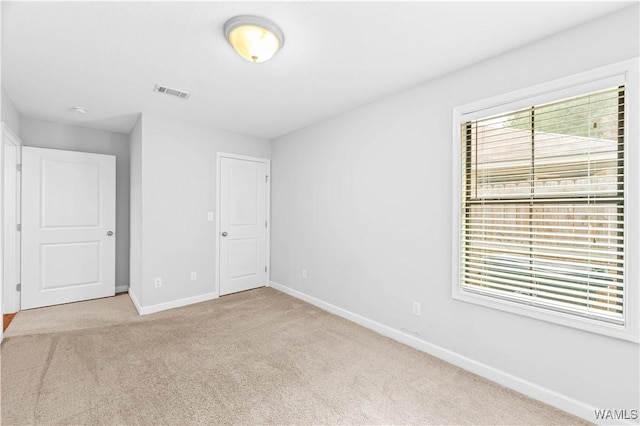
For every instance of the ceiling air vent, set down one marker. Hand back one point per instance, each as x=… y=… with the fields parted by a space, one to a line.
x=173 y=92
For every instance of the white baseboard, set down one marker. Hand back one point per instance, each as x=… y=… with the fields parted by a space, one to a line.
x=122 y=288
x=518 y=384
x=135 y=301
x=145 y=310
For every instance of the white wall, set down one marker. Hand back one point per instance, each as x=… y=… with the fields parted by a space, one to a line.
x=10 y=114
x=363 y=201
x=48 y=134
x=178 y=188
x=135 y=206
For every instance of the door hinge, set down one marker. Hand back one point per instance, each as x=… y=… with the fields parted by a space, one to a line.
x=18 y=287
x=19 y=227
x=265 y=269
x=265 y=224
x=19 y=167
x=266 y=179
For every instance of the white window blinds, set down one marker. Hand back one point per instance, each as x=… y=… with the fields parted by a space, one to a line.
x=543 y=206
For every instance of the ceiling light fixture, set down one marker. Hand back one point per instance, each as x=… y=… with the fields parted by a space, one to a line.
x=256 y=39
x=79 y=110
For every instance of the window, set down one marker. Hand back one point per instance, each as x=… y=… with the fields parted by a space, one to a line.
x=542 y=206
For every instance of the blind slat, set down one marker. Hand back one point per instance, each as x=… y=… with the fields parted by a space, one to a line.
x=599 y=272
x=608 y=309
x=593 y=299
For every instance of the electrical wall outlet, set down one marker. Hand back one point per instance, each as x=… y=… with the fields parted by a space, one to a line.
x=416 y=309
x=157 y=282
x=194 y=276
x=210 y=216
x=304 y=274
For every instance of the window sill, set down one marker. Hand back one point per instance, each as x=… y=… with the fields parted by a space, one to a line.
x=564 y=319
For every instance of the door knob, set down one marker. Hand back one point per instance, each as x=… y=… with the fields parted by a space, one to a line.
x=224 y=234
x=110 y=233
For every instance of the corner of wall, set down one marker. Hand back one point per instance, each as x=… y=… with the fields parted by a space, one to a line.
x=10 y=114
x=135 y=214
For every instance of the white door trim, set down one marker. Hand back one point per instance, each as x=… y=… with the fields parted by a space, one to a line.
x=267 y=162
x=10 y=241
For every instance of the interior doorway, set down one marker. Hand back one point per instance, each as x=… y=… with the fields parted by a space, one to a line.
x=243 y=223
x=11 y=187
x=68 y=226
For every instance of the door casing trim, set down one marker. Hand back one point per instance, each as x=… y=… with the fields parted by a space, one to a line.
x=10 y=235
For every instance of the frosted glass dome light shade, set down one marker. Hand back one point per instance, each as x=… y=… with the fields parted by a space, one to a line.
x=255 y=39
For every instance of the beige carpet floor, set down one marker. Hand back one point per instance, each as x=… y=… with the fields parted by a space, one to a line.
x=258 y=357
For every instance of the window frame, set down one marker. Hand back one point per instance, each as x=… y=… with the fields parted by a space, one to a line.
x=622 y=73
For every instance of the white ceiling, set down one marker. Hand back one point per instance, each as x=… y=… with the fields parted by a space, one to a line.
x=107 y=56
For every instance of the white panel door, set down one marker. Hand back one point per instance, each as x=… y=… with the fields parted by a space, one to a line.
x=68 y=225
x=243 y=225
